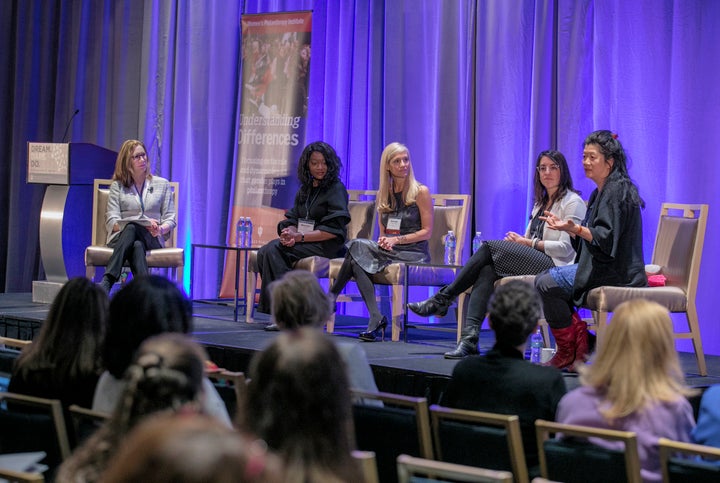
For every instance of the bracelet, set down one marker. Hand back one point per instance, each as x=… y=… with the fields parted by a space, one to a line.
x=535 y=241
x=579 y=230
x=302 y=237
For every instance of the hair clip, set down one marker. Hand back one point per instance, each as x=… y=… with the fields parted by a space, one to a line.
x=614 y=135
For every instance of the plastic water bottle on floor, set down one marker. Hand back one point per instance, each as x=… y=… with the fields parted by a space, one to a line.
x=477 y=241
x=450 y=243
x=240 y=232
x=248 y=232
x=536 y=346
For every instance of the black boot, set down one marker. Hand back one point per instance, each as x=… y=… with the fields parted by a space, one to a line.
x=438 y=305
x=463 y=349
x=468 y=344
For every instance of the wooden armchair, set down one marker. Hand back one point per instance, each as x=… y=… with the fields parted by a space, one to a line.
x=678 y=251
x=98 y=253
x=450 y=212
x=361 y=205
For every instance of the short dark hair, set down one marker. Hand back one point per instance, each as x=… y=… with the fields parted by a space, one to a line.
x=144 y=307
x=514 y=310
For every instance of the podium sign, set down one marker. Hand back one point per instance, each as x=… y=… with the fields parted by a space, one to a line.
x=48 y=163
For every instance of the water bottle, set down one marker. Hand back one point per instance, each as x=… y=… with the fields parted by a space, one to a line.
x=248 y=232
x=450 y=243
x=240 y=232
x=536 y=346
x=477 y=241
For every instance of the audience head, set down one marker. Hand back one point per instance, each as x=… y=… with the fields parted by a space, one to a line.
x=191 y=449
x=71 y=338
x=298 y=401
x=166 y=376
x=144 y=307
x=566 y=182
x=637 y=363
x=124 y=162
x=332 y=162
x=394 y=155
x=514 y=311
x=297 y=300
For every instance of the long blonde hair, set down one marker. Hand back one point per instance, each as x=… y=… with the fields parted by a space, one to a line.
x=637 y=364
x=385 y=199
x=123 y=163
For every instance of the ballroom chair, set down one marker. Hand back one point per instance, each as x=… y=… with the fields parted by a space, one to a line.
x=450 y=212
x=681 y=462
x=400 y=425
x=368 y=465
x=578 y=460
x=85 y=422
x=486 y=440
x=230 y=386
x=30 y=424
x=419 y=470
x=361 y=205
x=678 y=251
x=98 y=253
x=20 y=476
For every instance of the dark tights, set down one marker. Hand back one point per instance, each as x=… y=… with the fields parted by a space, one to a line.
x=350 y=269
x=557 y=307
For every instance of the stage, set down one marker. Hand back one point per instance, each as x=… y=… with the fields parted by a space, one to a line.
x=415 y=368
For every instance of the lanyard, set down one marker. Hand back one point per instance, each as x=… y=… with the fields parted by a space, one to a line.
x=307 y=207
x=140 y=195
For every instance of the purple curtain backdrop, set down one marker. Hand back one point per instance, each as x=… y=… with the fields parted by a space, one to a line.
x=474 y=88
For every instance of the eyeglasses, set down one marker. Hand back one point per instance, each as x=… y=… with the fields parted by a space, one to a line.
x=548 y=169
x=139 y=156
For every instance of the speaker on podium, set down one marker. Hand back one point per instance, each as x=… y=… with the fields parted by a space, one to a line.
x=68 y=170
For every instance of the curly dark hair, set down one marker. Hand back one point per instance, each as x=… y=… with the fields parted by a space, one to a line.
x=610 y=147
x=332 y=160
x=514 y=311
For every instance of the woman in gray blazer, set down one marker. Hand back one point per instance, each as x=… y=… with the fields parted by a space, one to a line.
x=140 y=212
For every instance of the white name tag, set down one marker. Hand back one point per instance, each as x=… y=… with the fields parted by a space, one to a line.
x=393 y=225
x=305 y=225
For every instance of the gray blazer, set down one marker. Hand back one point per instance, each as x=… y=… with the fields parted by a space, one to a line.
x=125 y=203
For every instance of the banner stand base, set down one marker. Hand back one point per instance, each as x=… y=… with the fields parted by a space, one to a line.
x=44 y=292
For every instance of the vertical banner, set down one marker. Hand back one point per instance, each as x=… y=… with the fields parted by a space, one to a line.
x=271 y=135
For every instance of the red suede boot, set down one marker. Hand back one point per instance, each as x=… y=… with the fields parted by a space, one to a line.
x=564 y=348
x=581 y=338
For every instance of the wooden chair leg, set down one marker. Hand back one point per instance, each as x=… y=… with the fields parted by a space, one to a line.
x=250 y=296
x=694 y=328
x=398 y=303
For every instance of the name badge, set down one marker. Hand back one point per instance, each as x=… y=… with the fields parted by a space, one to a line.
x=305 y=225
x=393 y=225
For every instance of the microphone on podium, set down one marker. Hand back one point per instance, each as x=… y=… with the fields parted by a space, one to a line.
x=68 y=124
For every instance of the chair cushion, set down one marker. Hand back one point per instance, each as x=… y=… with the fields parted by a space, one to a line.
x=99 y=256
x=606 y=299
x=522 y=278
x=316 y=265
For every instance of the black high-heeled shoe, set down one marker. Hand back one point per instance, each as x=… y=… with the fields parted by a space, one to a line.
x=432 y=306
x=371 y=335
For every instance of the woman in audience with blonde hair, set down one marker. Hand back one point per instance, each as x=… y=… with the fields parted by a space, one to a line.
x=166 y=376
x=191 y=449
x=634 y=384
x=298 y=401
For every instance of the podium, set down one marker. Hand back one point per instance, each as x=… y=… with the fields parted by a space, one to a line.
x=68 y=170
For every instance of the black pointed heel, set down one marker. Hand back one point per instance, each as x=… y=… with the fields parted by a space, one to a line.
x=429 y=307
x=371 y=335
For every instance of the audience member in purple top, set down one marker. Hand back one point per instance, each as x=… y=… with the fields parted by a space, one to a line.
x=634 y=384
x=64 y=361
x=707 y=431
